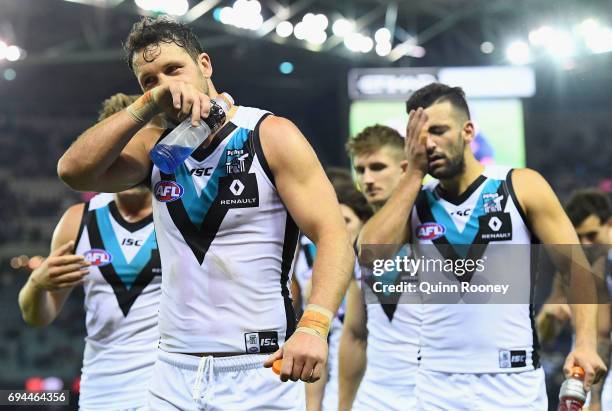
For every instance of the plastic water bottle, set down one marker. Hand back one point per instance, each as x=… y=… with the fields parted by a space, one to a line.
x=572 y=394
x=173 y=149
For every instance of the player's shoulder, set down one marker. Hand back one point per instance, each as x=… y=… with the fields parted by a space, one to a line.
x=282 y=141
x=275 y=127
x=68 y=226
x=527 y=179
x=74 y=212
x=531 y=188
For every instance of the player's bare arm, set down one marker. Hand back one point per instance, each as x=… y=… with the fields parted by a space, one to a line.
x=353 y=344
x=390 y=224
x=113 y=155
x=44 y=294
x=552 y=226
x=311 y=201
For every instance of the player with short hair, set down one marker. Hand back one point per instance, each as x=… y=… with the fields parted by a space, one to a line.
x=473 y=355
x=379 y=343
x=107 y=245
x=227 y=223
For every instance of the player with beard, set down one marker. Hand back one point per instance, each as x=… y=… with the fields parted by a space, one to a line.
x=476 y=356
x=227 y=221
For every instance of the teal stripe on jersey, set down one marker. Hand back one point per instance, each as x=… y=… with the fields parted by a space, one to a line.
x=312 y=249
x=453 y=235
x=126 y=272
x=197 y=206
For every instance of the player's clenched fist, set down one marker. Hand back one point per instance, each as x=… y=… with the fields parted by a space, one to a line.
x=304 y=355
x=61 y=269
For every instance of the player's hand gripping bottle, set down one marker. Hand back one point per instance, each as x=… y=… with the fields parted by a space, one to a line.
x=173 y=149
x=572 y=394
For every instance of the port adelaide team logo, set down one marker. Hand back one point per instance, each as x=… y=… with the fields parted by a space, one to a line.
x=168 y=191
x=98 y=257
x=430 y=231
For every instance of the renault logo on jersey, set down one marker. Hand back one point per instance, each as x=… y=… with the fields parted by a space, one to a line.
x=236 y=187
x=98 y=257
x=238 y=191
x=495 y=227
x=430 y=231
x=495 y=223
x=168 y=191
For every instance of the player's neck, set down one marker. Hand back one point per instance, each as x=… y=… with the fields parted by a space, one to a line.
x=459 y=184
x=134 y=207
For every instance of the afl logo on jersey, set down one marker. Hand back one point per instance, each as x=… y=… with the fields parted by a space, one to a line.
x=168 y=191
x=98 y=257
x=430 y=231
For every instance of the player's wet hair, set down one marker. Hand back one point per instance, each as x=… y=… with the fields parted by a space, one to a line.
x=438 y=93
x=148 y=33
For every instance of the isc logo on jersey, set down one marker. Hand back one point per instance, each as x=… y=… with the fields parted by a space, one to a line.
x=168 y=191
x=430 y=231
x=98 y=257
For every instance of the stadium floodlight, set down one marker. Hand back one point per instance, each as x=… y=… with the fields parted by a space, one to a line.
x=174 y=8
x=383 y=48
x=300 y=31
x=597 y=38
x=3 y=48
x=382 y=35
x=343 y=27
x=284 y=29
x=562 y=45
x=518 y=53
x=312 y=29
x=558 y=43
x=358 y=42
x=244 y=14
x=13 y=53
x=367 y=44
x=316 y=37
x=318 y=21
x=226 y=16
x=542 y=36
x=352 y=41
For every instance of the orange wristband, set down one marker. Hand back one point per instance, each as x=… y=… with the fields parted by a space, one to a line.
x=316 y=321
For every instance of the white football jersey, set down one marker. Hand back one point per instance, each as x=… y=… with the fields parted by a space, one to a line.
x=485 y=224
x=122 y=292
x=227 y=244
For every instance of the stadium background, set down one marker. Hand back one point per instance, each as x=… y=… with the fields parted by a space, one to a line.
x=70 y=59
